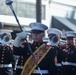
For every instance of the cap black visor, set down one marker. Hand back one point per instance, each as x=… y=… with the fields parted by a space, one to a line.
x=70 y=38
x=37 y=31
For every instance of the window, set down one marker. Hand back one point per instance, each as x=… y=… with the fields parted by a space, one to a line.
x=28 y=10
x=2 y=7
x=21 y=9
x=43 y=12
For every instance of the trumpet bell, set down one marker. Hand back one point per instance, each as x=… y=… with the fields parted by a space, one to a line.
x=53 y=39
x=54 y=36
x=6 y=38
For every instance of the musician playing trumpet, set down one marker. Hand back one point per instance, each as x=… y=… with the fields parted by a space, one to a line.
x=6 y=55
x=54 y=35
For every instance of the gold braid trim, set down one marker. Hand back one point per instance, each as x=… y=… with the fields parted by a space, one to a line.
x=30 y=64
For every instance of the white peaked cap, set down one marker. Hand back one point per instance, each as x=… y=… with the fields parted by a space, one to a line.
x=38 y=26
x=54 y=31
x=5 y=31
x=70 y=34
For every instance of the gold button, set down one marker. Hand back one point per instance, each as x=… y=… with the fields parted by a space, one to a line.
x=2 y=54
x=21 y=60
x=2 y=58
x=2 y=51
x=36 y=47
x=2 y=61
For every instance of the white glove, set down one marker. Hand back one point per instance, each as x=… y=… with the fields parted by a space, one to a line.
x=20 y=36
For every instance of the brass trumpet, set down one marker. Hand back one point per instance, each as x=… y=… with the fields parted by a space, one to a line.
x=5 y=39
x=54 y=36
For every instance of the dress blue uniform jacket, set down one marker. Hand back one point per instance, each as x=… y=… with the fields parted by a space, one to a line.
x=6 y=58
x=46 y=64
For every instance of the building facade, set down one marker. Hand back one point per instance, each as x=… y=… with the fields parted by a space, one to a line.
x=26 y=12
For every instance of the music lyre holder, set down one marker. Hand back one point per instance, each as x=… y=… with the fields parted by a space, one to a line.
x=9 y=3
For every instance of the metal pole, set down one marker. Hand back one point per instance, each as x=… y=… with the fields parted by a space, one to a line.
x=9 y=2
x=38 y=11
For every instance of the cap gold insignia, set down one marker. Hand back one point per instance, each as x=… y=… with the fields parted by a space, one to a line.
x=34 y=24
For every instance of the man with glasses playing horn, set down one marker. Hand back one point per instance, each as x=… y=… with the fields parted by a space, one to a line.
x=6 y=55
x=37 y=60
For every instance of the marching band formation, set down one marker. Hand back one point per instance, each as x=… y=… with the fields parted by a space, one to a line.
x=55 y=57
